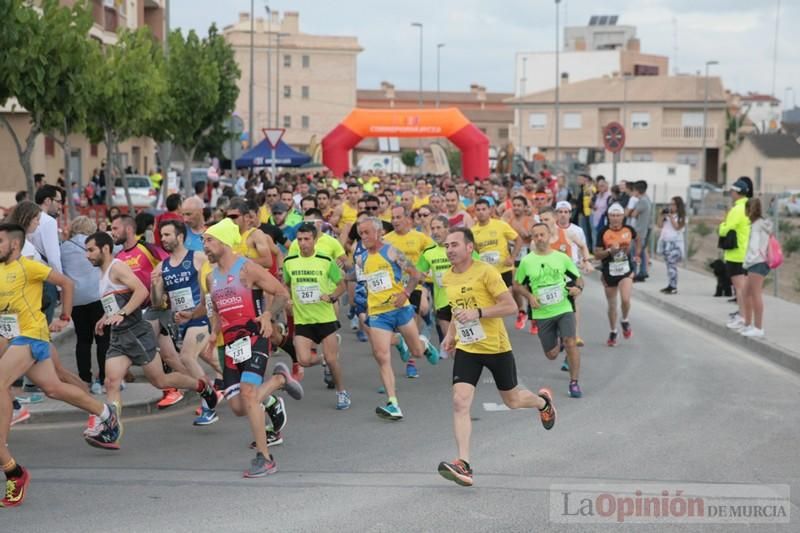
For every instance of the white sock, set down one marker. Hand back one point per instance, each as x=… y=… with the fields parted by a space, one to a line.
x=104 y=416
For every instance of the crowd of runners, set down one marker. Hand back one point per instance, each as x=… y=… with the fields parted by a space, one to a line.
x=427 y=267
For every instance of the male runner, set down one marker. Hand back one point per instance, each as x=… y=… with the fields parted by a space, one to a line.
x=492 y=240
x=541 y=278
x=389 y=311
x=132 y=339
x=28 y=353
x=521 y=220
x=480 y=300
x=581 y=256
x=236 y=286
x=614 y=250
x=315 y=283
x=255 y=244
x=456 y=214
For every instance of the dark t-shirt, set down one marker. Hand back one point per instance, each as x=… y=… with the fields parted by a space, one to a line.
x=275 y=232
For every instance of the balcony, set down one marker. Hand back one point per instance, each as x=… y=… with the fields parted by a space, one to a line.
x=687 y=133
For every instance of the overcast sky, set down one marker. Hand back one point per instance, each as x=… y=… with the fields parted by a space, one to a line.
x=482 y=36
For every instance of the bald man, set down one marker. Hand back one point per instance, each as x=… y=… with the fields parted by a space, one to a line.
x=192 y=212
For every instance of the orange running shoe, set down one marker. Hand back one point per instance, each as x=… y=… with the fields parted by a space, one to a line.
x=171 y=397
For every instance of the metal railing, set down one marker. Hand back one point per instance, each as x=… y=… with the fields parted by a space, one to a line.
x=688 y=132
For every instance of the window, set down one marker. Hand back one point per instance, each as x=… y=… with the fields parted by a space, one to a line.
x=287 y=121
x=572 y=121
x=306 y=61
x=688 y=158
x=305 y=91
x=287 y=91
x=640 y=121
x=93 y=150
x=502 y=133
x=537 y=120
x=305 y=122
x=49 y=146
x=642 y=156
x=287 y=60
x=692 y=119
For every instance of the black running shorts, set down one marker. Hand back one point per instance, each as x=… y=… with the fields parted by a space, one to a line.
x=316 y=332
x=467 y=368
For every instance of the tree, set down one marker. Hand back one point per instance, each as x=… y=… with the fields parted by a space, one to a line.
x=126 y=93
x=409 y=158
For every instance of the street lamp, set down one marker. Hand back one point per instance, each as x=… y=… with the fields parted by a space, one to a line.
x=419 y=25
x=269 y=65
x=558 y=83
x=438 y=70
x=252 y=82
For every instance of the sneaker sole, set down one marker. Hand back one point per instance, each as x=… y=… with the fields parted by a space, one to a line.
x=343 y=407
x=549 y=395
x=386 y=416
x=292 y=387
x=21 y=419
x=249 y=475
x=206 y=422
x=449 y=474
x=94 y=444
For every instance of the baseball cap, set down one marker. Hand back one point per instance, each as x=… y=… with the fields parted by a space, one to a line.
x=563 y=204
x=740 y=186
x=616 y=209
x=279 y=207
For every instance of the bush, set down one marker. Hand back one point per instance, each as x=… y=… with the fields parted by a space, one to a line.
x=702 y=229
x=796 y=283
x=691 y=250
x=791 y=244
x=409 y=158
x=785 y=227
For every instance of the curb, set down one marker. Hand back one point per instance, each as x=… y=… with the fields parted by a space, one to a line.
x=763 y=348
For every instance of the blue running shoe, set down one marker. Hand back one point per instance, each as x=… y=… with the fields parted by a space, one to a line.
x=389 y=411
x=361 y=336
x=565 y=366
x=402 y=347
x=206 y=418
x=342 y=400
x=411 y=370
x=431 y=351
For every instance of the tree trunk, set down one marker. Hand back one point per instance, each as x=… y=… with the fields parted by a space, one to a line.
x=113 y=165
x=66 y=148
x=188 y=156
x=24 y=154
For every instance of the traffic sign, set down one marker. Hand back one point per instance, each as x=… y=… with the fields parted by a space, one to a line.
x=232 y=149
x=235 y=125
x=273 y=135
x=614 y=137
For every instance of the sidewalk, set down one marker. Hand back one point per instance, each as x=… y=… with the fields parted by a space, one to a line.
x=695 y=303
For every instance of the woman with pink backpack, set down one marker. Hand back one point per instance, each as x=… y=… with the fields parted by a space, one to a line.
x=762 y=256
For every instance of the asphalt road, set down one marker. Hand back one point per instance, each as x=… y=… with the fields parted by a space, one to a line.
x=673 y=404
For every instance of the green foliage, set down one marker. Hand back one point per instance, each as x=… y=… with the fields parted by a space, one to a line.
x=409 y=158
x=796 y=283
x=785 y=227
x=691 y=250
x=791 y=244
x=702 y=229
x=454 y=160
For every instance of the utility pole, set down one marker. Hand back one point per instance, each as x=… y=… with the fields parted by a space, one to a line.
x=558 y=96
x=438 y=71
x=252 y=81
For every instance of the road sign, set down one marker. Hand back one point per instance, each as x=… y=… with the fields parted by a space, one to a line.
x=614 y=137
x=273 y=135
x=235 y=125
x=232 y=149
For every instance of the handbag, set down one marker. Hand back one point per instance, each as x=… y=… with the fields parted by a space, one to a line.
x=728 y=241
x=774 y=253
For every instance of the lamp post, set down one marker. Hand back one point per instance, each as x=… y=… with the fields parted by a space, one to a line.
x=269 y=66
x=419 y=25
x=252 y=81
x=558 y=97
x=703 y=176
x=438 y=70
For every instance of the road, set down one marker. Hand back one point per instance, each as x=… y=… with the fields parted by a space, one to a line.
x=672 y=404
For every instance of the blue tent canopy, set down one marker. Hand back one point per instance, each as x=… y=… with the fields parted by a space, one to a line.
x=260 y=155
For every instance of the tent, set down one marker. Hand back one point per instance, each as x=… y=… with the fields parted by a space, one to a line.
x=260 y=155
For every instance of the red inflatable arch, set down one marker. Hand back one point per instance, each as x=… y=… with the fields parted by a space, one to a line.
x=450 y=123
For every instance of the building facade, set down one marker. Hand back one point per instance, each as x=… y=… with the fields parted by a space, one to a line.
x=771 y=160
x=301 y=82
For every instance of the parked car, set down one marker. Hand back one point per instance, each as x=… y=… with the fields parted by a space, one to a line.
x=142 y=192
x=699 y=190
x=789 y=203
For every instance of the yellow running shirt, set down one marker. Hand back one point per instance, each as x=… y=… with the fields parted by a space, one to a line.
x=477 y=288
x=349 y=215
x=21 y=299
x=411 y=245
x=243 y=249
x=492 y=241
x=383 y=277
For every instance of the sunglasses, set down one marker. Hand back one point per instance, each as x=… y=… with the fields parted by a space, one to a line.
x=233 y=216
x=371 y=208
x=424 y=214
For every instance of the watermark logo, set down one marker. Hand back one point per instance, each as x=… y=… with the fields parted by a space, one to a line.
x=669 y=503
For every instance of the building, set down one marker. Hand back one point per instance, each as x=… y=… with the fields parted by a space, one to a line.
x=763 y=111
x=602 y=33
x=772 y=160
x=302 y=82
x=662 y=116
x=48 y=158
x=487 y=110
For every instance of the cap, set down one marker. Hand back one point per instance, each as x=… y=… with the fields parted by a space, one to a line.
x=279 y=207
x=226 y=231
x=616 y=209
x=563 y=204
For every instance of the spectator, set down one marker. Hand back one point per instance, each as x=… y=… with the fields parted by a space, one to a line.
x=735 y=237
x=21 y=196
x=643 y=215
x=584 y=210
x=670 y=241
x=200 y=191
x=27 y=215
x=144 y=227
x=173 y=204
x=38 y=181
x=755 y=263
x=241 y=185
x=87 y=309
x=216 y=193
x=47 y=242
x=600 y=204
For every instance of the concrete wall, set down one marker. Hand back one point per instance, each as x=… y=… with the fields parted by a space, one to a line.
x=777 y=175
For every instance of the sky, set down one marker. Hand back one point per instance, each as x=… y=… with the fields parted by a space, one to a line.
x=482 y=36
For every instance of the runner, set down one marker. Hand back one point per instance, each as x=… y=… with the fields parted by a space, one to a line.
x=521 y=220
x=176 y=279
x=492 y=241
x=389 y=310
x=456 y=214
x=480 y=300
x=28 y=353
x=255 y=244
x=614 y=249
x=315 y=283
x=580 y=256
x=541 y=278
x=236 y=286
x=132 y=339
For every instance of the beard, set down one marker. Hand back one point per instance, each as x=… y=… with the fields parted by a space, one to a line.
x=6 y=257
x=212 y=257
x=168 y=247
x=120 y=240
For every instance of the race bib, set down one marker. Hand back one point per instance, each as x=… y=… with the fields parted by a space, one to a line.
x=360 y=273
x=379 y=281
x=619 y=267
x=470 y=332
x=550 y=295
x=181 y=299
x=307 y=294
x=439 y=276
x=239 y=350
x=9 y=326
x=209 y=306
x=490 y=257
x=110 y=306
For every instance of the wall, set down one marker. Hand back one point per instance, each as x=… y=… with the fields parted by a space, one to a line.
x=776 y=174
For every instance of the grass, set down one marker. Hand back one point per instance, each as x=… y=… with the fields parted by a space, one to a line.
x=785 y=227
x=791 y=244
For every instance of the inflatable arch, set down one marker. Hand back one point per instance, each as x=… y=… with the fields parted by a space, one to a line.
x=450 y=123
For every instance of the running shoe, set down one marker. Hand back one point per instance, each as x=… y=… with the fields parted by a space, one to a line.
x=579 y=342
x=431 y=352
x=298 y=372
x=28 y=399
x=736 y=323
x=389 y=411
x=548 y=415
x=292 y=386
x=458 y=471
x=402 y=347
x=411 y=370
x=575 y=389
x=171 y=397
x=361 y=336
x=522 y=317
x=565 y=366
x=342 y=400
x=354 y=323
x=206 y=418
x=260 y=466
x=96 y=387
x=612 y=339
x=753 y=332
x=327 y=377
x=274 y=438
x=534 y=328
x=627 y=332
x=106 y=434
x=15 y=489
x=209 y=396
x=20 y=415
x=276 y=410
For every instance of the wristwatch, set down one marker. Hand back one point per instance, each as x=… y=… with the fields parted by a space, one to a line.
x=122 y=313
x=65 y=318
x=333 y=299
